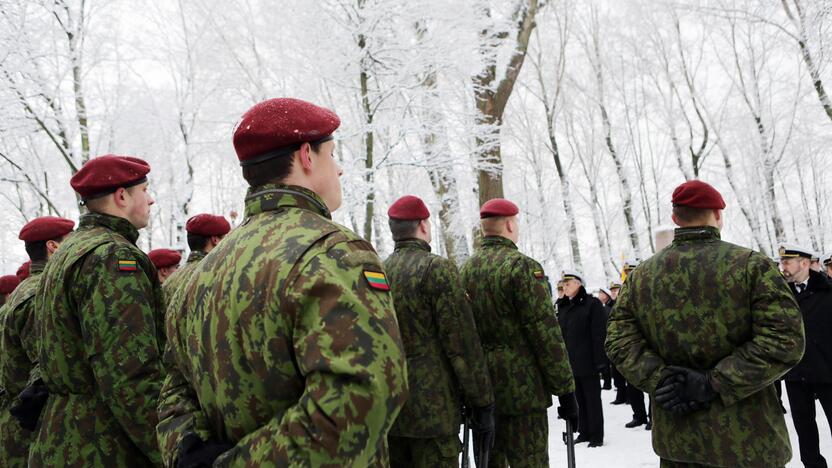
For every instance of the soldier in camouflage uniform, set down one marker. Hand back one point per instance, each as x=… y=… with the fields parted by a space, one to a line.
x=285 y=334
x=166 y=262
x=18 y=341
x=445 y=362
x=8 y=283
x=706 y=327
x=524 y=349
x=100 y=329
x=205 y=231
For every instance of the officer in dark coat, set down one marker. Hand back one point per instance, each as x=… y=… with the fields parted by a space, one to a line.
x=811 y=378
x=605 y=296
x=583 y=322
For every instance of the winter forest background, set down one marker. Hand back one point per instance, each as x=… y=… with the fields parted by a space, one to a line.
x=586 y=114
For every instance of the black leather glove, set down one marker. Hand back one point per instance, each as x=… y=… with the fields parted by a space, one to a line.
x=568 y=409
x=196 y=453
x=30 y=404
x=684 y=390
x=482 y=425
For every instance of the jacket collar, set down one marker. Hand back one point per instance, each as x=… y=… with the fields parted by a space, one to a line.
x=272 y=197
x=418 y=244
x=37 y=266
x=195 y=256
x=114 y=223
x=688 y=234
x=498 y=241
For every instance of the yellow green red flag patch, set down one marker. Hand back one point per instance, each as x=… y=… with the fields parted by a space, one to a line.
x=377 y=280
x=539 y=274
x=128 y=265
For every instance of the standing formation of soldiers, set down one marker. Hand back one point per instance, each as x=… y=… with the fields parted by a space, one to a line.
x=287 y=341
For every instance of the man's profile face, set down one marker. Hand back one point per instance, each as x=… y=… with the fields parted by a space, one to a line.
x=793 y=267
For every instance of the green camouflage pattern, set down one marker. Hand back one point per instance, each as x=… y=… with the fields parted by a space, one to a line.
x=101 y=338
x=284 y=348
x=716 y=307
x=444 y=354
x=520 y=335
x=433 y=452
x=177 y=278
x=18 y=356
x=521 y=441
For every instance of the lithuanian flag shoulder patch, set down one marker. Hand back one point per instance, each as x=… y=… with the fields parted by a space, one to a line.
x=539 y=274
x=128 y=265
x=377 y=280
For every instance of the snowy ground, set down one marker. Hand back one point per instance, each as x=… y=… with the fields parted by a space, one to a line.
x=631 y=448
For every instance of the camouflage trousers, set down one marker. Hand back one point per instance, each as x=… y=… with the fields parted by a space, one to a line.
x=675 y=464
x=437 y=452
x=521 y=441
x=14 y=441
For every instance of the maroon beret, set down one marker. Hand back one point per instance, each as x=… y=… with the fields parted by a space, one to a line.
x=8 y=283
x=407 y=208
x=698 y=194
x=498 y=207
x=277 y=127
x=45 y=228
x=106 y=174
x=23 y=271
x=162 y=258
x=207 y=225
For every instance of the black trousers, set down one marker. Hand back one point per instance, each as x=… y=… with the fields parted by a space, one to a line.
x=635 y=398
x=802 y=397
x=620 y=384
x=590 y=412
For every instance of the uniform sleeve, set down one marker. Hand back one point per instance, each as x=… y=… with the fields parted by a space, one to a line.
x=348 y=349
x=540 y=326
x=598 y=331
x=458 y=334
x=777 y=341
x=627 y=347
x=14 y=361
x=118 y=322
x=179 y=412
x=179 y=409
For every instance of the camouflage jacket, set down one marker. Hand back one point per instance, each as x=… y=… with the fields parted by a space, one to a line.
x=520 y=335
x=444 y=354
x=101 y=337
x=287 y=341
x=177 y=278
x=18 y=356
x=709 y=305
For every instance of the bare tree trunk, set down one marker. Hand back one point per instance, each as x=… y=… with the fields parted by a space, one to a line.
x=369 y=207
x=626 y=191
x=491 y=97
x=802 y=41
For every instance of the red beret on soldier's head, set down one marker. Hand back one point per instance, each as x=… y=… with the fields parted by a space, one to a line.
x=162 y=258
x=23 y=271
x=105 y=174
x=46 y=228
x=8 y=283
x=498 y=207
x=207 y=225
x=277 y=127
x=698 y=194
x=408 y=208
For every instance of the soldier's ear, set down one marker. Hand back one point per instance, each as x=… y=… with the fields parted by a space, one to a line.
x=305 y=157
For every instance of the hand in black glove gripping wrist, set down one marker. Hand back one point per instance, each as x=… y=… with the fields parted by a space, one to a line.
x=482 y=424
x=196 y=453
x=30 y=404
x=684 y=390
x=568 y=409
